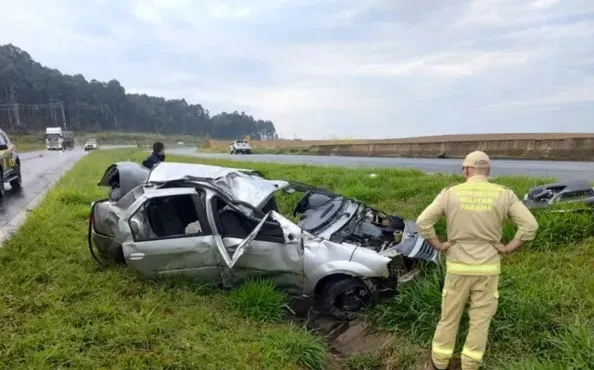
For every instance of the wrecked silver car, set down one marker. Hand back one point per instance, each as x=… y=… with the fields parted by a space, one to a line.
x=548 y=195
x=222 y=225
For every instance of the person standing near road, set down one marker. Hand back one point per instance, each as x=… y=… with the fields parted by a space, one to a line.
x=474 y=212
x=158 y=155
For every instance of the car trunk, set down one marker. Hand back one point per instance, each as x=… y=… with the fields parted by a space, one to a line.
x=103 y=244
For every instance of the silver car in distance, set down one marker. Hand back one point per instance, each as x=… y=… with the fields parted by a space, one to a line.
x=222 y=226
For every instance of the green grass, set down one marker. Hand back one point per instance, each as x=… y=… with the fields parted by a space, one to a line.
x=59 y=308
x=547 y=295
x=27 y=142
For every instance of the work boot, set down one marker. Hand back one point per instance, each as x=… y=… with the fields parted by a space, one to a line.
x=431 y=366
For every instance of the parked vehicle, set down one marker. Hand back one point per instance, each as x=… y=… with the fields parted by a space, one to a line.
x=10 y=165
x=545 y=196
x=222 y=225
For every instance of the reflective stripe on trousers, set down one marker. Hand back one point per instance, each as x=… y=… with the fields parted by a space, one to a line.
x=482 y=291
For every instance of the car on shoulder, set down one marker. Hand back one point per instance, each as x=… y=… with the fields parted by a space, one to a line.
x=10 y=165
x=240 y=146
x=222 y=226
x=91 y=144
x=549 y=195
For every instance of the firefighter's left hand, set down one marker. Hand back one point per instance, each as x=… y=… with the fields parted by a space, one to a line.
x=445 y=246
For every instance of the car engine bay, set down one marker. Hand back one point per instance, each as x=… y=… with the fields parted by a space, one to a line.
x=365 y=227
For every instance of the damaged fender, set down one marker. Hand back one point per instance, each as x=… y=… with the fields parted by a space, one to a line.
x=360 y=262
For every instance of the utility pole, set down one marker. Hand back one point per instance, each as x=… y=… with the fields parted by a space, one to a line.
x=51 y=112
x=15 y=107
x=63 y=115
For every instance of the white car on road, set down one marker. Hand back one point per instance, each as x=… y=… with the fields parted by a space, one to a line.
x=240 y=147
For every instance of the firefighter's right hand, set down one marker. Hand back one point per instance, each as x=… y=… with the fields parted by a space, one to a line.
x=501 y=248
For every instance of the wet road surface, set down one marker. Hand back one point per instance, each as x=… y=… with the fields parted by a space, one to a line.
x=40 y=170
x=542 y=169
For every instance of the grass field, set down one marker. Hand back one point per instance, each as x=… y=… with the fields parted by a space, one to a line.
x=281 y=145
x=527 y=146
x=59 y=309
x=27 y=143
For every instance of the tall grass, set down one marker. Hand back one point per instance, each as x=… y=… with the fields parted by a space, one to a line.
x=58 y=305
x=544 y=288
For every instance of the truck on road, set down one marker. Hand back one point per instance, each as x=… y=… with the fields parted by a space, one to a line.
x=58 y=139
x=68 y=140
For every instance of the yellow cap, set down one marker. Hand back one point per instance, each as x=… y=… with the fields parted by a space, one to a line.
x=477 y=159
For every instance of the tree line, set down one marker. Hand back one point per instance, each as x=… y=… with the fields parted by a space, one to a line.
x=33 y=97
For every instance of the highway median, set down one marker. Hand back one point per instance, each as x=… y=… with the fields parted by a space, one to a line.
x=61 y=309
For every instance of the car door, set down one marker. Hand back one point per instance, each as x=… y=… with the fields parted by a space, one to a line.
x=5 y=155
x=153 y=251
x=265 y=247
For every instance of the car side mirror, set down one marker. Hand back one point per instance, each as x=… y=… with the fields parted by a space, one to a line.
x=3 y=146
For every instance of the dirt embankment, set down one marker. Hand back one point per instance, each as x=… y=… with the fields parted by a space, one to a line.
x=550 y=146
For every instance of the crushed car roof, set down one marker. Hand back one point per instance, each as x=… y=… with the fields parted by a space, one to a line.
x=172 y=171
x=244 y=185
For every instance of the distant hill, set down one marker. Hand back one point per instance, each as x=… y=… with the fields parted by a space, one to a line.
x=33 y=96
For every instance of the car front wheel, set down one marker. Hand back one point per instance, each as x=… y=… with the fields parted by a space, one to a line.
x=345 y=297
x=17 y=183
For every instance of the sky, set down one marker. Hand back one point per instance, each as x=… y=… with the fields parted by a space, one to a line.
x=334 y=69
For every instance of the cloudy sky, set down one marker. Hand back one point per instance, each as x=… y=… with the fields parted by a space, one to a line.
x=334 y=68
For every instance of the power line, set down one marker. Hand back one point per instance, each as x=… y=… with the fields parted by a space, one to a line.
x=13 y=105
x=15 y=114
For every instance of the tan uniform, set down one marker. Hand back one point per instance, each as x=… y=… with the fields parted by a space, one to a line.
x=474 y=211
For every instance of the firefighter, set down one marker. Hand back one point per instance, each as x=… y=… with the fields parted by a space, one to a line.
x=474 y=212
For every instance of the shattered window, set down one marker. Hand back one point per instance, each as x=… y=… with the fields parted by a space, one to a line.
x=139 y=223
x=129 y=199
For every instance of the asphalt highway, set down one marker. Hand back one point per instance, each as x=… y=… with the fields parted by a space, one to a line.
x=542 y=169
x=40 y=170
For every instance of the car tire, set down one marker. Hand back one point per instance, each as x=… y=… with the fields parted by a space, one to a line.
x=2 y=190
x=17 y=184
x=345 y=297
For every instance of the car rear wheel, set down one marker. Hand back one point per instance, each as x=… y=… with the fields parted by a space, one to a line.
x=345 y=297
x=2 y=191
